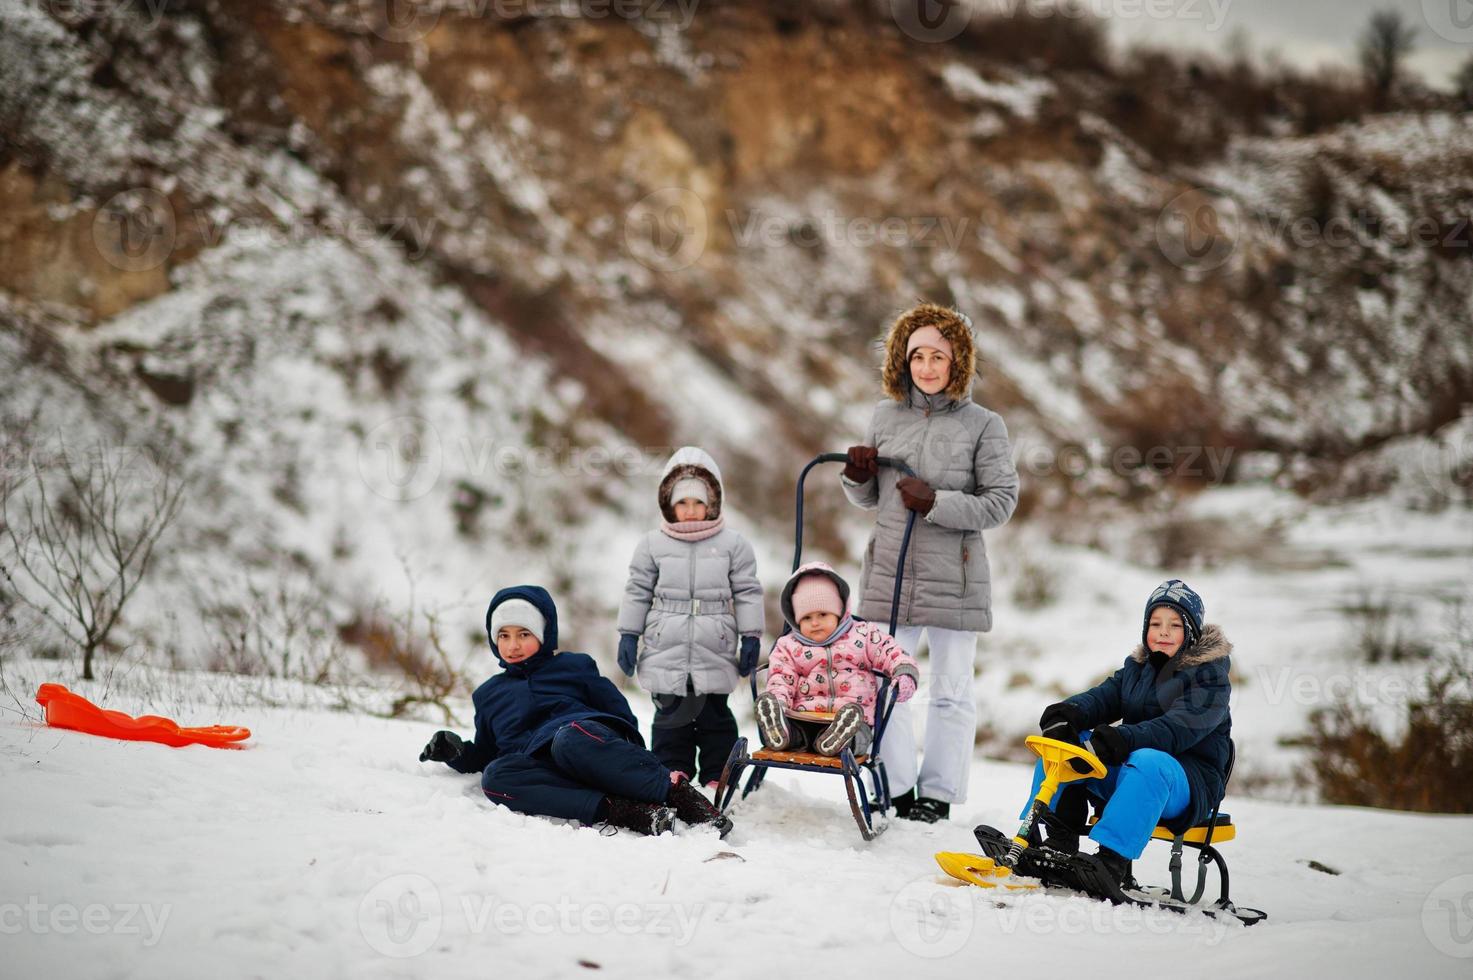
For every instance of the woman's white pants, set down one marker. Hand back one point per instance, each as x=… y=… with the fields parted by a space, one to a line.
x=951 y=719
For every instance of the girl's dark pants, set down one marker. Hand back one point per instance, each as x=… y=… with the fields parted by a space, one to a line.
x=694 y=723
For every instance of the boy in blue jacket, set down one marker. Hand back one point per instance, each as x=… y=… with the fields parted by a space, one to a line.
x=554 y=737
x=1169 y=757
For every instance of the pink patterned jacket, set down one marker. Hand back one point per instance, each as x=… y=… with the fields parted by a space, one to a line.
x=807 y=677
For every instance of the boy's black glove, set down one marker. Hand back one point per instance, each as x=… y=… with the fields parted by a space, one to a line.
x=747 y=662
x=1108 y=745
x=916 y=495
x=862 y=465
x=1062 y=721
x=628 y=653
x=442 y=747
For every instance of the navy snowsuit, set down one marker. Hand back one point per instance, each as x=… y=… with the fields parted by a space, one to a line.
x=554 y=736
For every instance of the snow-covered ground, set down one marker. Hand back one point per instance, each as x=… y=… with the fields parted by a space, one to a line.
x=325 y=849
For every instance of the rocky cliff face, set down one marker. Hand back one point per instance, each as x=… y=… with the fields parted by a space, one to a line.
x=438 y=292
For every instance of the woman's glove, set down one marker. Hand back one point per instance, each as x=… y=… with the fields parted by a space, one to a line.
x=916 y=494
x=905 y=688
x=628 y=653
x=1108 y=745
x=747 y=661
x=442 y=747
x=864 y=463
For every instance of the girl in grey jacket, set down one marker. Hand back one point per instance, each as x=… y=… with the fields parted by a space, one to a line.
x=965 y=483
x=692 y=617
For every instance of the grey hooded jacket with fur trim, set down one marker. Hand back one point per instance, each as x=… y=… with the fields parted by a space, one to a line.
x=962 y=451
x=691 y=601
x=1182 y=710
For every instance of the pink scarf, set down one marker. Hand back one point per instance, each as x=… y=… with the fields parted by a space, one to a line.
x=693 y=530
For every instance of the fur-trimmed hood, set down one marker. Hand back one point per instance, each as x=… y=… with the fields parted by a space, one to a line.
x=691 y=461
x=1212 y=646
x=895 y=377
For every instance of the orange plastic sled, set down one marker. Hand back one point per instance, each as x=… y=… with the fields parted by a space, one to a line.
x=67 y=710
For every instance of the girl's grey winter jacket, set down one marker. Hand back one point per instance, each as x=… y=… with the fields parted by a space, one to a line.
x=962 y=451
x=691 y=601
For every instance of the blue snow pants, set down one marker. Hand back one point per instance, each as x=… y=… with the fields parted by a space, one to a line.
x=572 y=775
x=1150 y=787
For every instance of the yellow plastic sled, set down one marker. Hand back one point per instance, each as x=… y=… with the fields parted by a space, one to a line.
x=1059 y=767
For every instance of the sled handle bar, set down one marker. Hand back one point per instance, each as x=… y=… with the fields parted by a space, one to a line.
x=885 y=461
x=910 y=523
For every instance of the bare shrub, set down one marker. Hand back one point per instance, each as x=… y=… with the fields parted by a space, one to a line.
x=1427 y=764
x=1062 y=40
x=1384 y=632
x=411 y=646
x=1384 y=45
x=1036 y=585
x=278 y=627
x=80 y=541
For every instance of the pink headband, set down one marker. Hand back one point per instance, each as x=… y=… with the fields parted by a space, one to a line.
x=928 y=337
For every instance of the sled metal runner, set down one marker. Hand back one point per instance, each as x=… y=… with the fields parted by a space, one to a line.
x=1020 y=862
x=870 y=805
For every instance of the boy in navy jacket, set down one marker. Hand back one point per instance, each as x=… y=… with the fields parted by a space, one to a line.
x=1169 y=756
x=555 y=737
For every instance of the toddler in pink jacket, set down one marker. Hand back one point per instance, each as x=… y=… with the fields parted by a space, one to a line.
x=824 y=665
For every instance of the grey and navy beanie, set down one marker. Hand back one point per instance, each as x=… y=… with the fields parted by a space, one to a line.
x=1176 y=594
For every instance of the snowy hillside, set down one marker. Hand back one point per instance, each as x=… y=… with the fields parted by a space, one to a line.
x=418 y=313
x=324 y=848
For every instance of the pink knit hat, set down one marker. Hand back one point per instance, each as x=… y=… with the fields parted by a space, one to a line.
x=816 y=592
x=928 y=337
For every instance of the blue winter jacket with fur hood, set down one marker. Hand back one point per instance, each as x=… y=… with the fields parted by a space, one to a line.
x=1181 y=710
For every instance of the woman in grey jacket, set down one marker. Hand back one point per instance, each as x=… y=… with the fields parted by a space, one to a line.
x=694 y=598
x=965 y=483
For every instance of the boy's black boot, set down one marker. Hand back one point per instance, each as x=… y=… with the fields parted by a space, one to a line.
x=1065 y=823
x=691 y=805
x=647 y=819
x=1117 y=866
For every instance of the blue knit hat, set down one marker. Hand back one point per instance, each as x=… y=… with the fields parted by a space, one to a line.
x=1176 y=594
